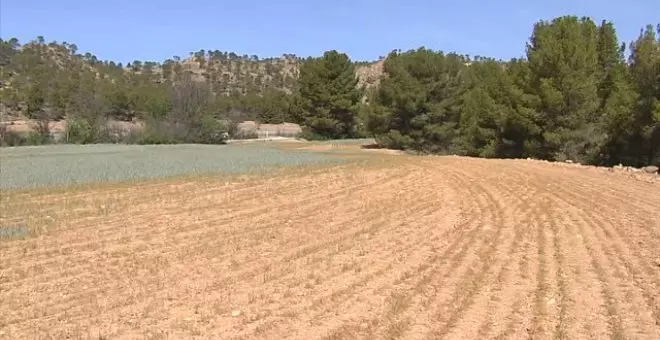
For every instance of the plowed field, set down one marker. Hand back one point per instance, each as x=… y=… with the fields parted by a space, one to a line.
x=394 y=247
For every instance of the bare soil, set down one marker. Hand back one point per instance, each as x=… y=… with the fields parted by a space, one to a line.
x=398 y=247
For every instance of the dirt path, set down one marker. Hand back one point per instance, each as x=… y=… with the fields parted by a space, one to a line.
x=402 y=247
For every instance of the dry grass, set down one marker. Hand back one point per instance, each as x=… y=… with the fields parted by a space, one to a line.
x=394 y=247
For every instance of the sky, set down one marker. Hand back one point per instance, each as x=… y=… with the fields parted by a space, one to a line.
x=124 y=30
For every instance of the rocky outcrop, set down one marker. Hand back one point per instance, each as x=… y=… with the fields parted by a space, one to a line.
x=369 y=75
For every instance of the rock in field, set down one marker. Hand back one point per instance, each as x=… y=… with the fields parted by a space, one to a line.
x=651 y=169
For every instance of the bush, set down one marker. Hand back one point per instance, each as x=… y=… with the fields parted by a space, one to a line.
x=150 y=137
x=210 y=131
x=207 y=130
x=309 y=134
x=395 y=140
x=80 y=131
x=37 y=138
x=156 y=139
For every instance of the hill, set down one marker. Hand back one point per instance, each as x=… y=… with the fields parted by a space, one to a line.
x=31 y=67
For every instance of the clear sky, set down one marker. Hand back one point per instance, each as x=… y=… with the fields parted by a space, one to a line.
x=124 y=30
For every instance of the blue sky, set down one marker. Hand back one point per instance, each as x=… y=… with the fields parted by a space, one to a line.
x=123 y=30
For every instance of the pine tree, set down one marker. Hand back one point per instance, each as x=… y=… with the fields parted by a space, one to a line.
x=563 y=57
x=645 y=72
x=415 y=106
x=616 y=98
x=495 y=118
x=329 y=96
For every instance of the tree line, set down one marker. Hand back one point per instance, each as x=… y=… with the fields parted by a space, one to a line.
x=579 y=93
x=576 y=96
x=47 y=82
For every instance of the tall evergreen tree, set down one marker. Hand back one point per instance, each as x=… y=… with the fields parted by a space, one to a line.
x=495 y=119
x=415 y=106
x=645 y=71
x=327 y=88
x=616 y=97
x=563 y=55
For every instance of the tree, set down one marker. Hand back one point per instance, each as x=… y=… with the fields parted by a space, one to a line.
x=496 y=121
x=617 y=99
x=272 y=107
x=167 y=69
x=574 y=96
x=35 y=83
x=89 y=107
x=329 y=96
x=7 y=50
x=415 y=106
x=200 y=57
x=645 y=71
x=563 y=56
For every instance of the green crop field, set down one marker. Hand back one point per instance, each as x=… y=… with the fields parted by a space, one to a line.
x=31 y=167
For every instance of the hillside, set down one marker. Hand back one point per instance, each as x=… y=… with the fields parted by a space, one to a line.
x=225 y=73
x=229 y=72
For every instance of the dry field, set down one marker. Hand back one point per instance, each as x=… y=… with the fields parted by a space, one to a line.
x=387 y=247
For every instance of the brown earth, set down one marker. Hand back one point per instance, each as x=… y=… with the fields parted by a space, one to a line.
x=392 y=247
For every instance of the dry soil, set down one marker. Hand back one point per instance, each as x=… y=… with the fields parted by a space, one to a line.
x=397 y=247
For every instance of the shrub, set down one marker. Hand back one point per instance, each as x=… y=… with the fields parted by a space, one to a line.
x=37 y=138
x=395 y=140
x=80 y=131
x=309 y=134
x=210 y=131
x=149 y=137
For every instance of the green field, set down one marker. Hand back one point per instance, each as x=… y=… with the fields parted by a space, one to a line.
x=31 y=167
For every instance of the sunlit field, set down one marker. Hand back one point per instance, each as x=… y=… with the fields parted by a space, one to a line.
x=321 y=240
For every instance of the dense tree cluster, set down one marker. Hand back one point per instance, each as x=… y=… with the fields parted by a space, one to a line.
x=579 y=94
x=574 y=96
